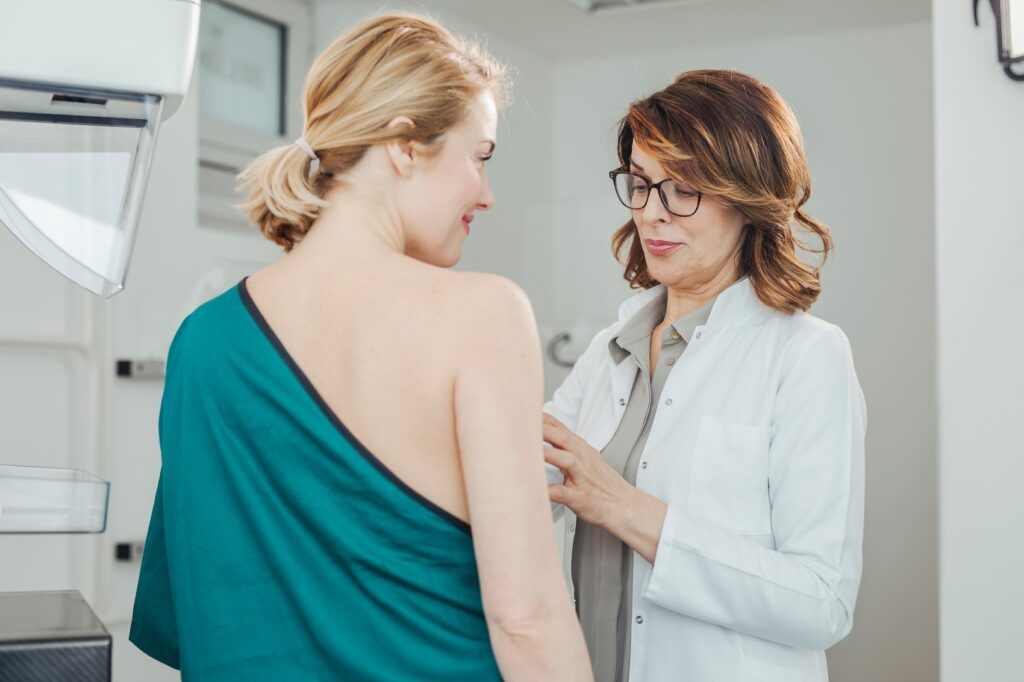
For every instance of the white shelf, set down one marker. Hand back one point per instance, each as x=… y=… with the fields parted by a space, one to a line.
x=42 y=500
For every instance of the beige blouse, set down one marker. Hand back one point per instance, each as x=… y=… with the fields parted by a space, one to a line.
x=602 y=565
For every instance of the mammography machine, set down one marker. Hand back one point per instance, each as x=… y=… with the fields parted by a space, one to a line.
x=84 y=87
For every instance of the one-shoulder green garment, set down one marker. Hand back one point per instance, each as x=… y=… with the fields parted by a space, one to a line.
x=280 y=548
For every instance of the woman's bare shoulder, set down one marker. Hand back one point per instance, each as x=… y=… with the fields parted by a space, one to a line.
x=480 y=303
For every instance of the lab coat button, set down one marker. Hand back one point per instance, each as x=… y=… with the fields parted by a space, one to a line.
x=643 y=465
x=699 y=334
x=622 y=401
x=639 y=620
x=669 y=401
x=572 y=526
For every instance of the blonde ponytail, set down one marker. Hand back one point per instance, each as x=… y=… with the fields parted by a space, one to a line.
x=283 y=199
x=388 y=66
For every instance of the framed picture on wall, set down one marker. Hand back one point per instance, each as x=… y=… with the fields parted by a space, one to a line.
x=253 y=55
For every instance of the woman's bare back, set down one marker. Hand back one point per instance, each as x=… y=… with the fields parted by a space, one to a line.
x=380 y=343
x=438 y=375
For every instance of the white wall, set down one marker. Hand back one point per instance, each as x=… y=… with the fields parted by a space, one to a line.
x=979 y=143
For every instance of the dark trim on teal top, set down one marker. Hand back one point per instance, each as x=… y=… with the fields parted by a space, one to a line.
x=265 y=327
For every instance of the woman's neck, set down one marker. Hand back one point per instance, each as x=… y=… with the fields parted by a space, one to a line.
x=686 y=297
x=354 y=226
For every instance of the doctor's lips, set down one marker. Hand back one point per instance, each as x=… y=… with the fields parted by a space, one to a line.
x=660 y=248
x=466 y=220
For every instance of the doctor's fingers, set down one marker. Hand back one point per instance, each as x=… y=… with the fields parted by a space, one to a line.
x=550 y=419
x=563 y=459
x=554 y=425
x=559 y=436
x=562 y=494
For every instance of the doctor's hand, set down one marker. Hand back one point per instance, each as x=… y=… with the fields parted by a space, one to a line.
x=599 y=495
x=592 y=488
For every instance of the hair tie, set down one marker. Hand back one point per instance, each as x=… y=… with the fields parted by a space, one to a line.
x=314 y=160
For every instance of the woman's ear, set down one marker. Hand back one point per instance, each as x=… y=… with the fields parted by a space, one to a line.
x=402 y=150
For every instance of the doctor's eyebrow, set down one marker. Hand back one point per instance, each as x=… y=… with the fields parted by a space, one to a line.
x=634 y=163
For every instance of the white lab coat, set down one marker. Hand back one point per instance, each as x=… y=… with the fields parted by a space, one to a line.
x=757 y=447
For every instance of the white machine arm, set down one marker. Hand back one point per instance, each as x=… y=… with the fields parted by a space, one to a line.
x=84 y=87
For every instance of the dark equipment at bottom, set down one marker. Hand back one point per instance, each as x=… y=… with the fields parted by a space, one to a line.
x=52 y=637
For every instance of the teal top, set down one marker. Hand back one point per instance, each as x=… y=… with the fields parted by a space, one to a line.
x=279 y=547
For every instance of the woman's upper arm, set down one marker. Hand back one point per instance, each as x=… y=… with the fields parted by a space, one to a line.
x=498 y=396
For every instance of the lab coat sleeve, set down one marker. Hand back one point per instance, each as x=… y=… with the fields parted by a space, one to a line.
x=801 y=593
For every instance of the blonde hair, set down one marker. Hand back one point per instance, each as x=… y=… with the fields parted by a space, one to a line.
x=391 y=65
x=732 y=137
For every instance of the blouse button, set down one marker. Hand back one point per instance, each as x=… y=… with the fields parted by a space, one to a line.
x=670 y=361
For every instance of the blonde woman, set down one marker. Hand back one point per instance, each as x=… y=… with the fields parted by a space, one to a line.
x=352 y=483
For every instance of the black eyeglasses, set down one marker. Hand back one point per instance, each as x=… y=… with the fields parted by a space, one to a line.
x=634 y=190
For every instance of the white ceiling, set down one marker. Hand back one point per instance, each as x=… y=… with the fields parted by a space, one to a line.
x=561 y=30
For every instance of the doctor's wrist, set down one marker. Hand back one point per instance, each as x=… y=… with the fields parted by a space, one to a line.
x=637 y=521
x=611 y=515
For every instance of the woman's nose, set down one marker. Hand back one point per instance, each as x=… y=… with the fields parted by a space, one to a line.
x=486 y=200
x=654 y=211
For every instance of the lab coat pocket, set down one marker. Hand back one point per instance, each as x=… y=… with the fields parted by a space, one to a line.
x=729 y=476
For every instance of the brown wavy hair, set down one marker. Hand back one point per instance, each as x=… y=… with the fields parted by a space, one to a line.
x=395 y=64
x=733 y=138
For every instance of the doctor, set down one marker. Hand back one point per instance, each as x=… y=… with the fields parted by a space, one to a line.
x=712 y=439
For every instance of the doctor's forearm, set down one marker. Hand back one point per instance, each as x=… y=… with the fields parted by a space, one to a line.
x=638 y=522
